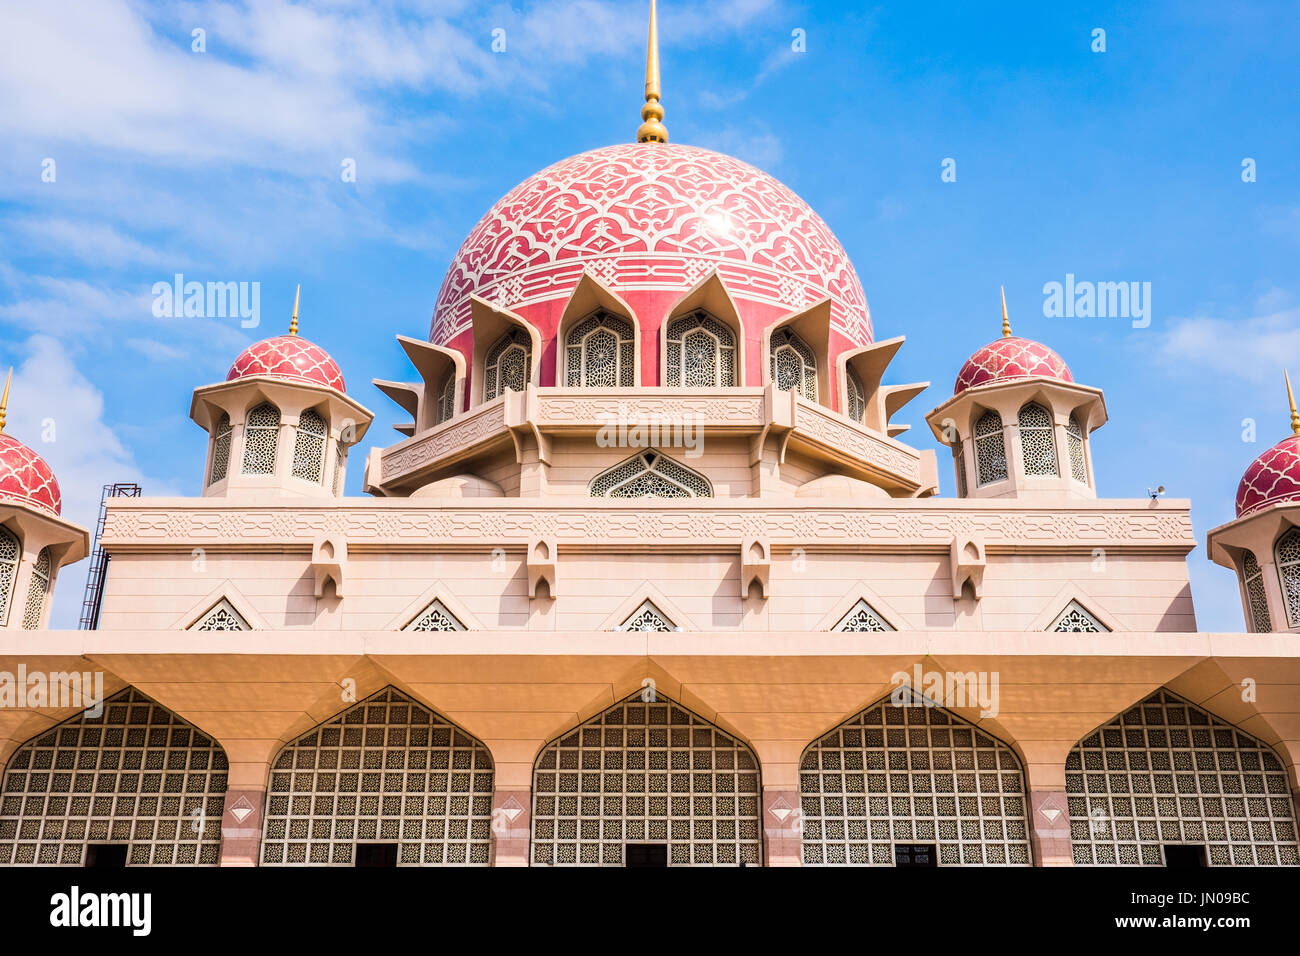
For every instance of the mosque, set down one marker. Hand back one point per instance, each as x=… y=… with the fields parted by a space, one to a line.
x=650 y=578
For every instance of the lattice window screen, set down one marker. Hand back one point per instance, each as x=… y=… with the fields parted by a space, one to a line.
x=862 y=617
x=1168 y=772
x=37 y=591
x=959 y=461
x=1076 y=619
x=599 y=352
x=701 y=353
x=651 y=474
x=912 y=774
x=507 y=364
x=261 y=436
x=1037 y=445
x=857 y=396
x=309 y=447
x=1287 y=554
x=435 y=617
x=647 y=617
x=1074 y=439
x=220 y=450
x=222 y=617
x=340 y=468
x=387 y=769
x=990 y=448
x=1257 y=601
x=646 y=772
x=446 y=399
x=793 y=364
x=10 y=551
x=137 y=774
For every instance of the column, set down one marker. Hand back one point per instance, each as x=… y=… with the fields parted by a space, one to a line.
x=512 y=800
x=1049 y=809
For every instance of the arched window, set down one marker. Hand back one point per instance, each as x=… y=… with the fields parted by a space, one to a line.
x=857 y=395
x=1287 y=553
x=9 y=553
x=599 y=352
x=1253 y=579
x=220 y=450
x=261 y=435
x=793 y=363
x=701 y=353
x=1074 y=439
x=446 y=399
x=309 y=447
x=37 y=591
x=990 y=448
x=1167 y=772
x=340 y=467
x=959 y=459
x=1037 y=446
x=650 y=474
x=508 y=364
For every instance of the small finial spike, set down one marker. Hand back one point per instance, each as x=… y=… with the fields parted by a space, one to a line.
x=1006 y=323
x=1290 y=397
x=652 y=129
x=293 y=322
x=4 y=399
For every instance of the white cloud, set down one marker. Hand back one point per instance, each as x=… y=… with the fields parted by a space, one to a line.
x=51 y=398
x=1249 y=349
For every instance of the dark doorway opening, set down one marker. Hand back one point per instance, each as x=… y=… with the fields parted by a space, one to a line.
x=1184 y=856
x=106 y=856
x=376 y=854
x=646 y=854
x=915 y=855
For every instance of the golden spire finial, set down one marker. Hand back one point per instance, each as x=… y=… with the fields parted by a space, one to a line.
x=1290 y=397
x=293 y=322
x=652 y=130
x=1006 y=323
x=4 y=399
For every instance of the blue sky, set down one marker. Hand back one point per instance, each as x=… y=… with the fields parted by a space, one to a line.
x=225 y=165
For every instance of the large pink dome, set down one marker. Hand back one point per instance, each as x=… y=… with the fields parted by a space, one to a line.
x=1272 y=477
x=289 y=357
x=26 y=478
x=652 y=217
x=1011 y=357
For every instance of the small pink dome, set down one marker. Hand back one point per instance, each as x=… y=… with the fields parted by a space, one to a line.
x=289 y=357
x=26 y=478
x=1272 y=477
x=1011 y=357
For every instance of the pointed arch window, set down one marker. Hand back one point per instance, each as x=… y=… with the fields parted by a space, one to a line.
x=340 y=467
x=220 y=450
x=261 y=436
x=1037 y=446
x=793 y=364
x=1075 y=619
x=701 y=353
x=309 y=447
x=37 y=591
x=508 y=364
x=650 y=474
x=959 y=459
x=857 y=395
x=221 y=617
x=1287 y=553
x=1256 y=602
x=862 y=617
x=990 y=448
x=435 y=617
x=446 y=409
x=1074 y=441
x=600 y=352
x=10 y=550
x=647 y=617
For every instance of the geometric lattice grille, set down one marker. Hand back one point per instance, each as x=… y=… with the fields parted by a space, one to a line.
x=959 y=458
x=1167 y=772
x=9 y=553
x=862 y=617
x=37 y=591
x=446 y=399
x=261 y=434
x=220 y=450
x=793 y=364
x=646 y=772
x=435 y=617
x=990 y=448
x=912 y=774
x=1253 y=578
x=386 y=770
x=507 y=364
x=221 y=617
x=1036 y=444
x=137 y=774
x=701 y=353
x=650 y=474
x=340 y=467
x=1287 y=552
x=1074 y=619
x=857 y=396
x=647 y=617
x=1074 y=439
x=600 y=353
x=309 y=447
